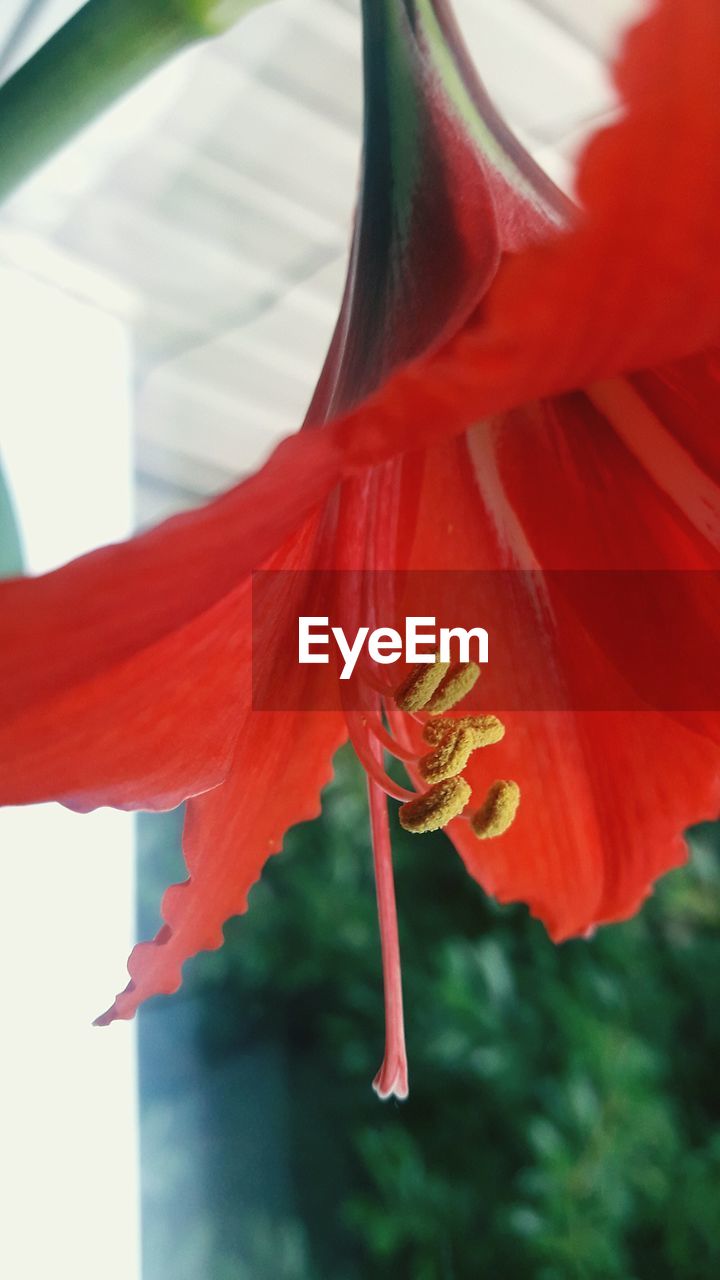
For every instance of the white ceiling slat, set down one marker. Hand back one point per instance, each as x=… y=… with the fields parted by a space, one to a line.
x=595 y=24
x=275 y=364
x=211 y=208
x=166 y=473
x=543 y=78
x=151 y=176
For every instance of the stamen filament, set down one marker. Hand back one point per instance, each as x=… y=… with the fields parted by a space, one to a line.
x=364 y=748
x=389 y=743
x=399 y=722
x=392 y=1078
x=369 y=676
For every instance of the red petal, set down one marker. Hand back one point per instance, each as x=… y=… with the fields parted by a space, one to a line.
x=144 y=734
x=130 y=690
x=605 y=796
x=582 y=489
x=561 y=485
x=103 y=608
x=604 y=800
x=601 y=482
x=281 y=763
x=638 y=282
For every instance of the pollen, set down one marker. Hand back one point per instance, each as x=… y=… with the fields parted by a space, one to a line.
x=420 y=685
x=436 y=807
x=486 y=730
x=458 y=682
x=451 y=754
x=498 y=810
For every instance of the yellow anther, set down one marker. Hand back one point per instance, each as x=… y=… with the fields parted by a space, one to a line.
x=498 y=810
x=436 y=807
x=420 y=685
x=436 y=730
x=457 y=683
x=450 y=755
x=486 y=729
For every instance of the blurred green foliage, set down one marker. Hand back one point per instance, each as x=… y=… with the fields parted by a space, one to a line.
x=563 y=1116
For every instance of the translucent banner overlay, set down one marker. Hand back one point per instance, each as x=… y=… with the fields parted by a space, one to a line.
x=563 y=640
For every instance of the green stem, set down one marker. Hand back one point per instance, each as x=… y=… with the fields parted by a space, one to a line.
x=104 y=50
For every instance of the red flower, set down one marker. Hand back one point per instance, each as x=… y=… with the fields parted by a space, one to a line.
x=474 y=295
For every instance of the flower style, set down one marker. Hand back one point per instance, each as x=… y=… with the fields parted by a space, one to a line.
x=511 y=384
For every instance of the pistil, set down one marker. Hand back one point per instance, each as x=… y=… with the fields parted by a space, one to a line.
x=426 y=690
x=392 y=1078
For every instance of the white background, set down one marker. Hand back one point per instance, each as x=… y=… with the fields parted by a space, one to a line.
x=67 y=1090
